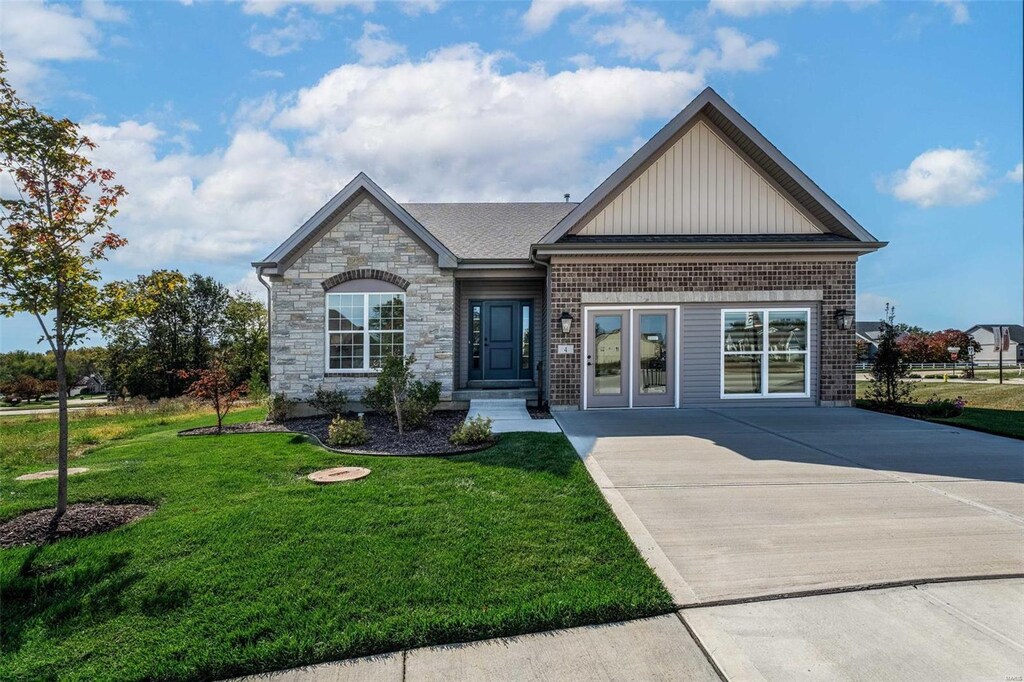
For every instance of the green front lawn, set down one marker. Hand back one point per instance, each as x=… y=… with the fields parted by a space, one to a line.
x=993 y=408
x=247 y=567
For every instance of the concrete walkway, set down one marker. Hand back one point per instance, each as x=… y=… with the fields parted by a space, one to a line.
x=510 y=415
x=939 y=631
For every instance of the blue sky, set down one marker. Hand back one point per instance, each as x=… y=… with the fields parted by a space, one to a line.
x=231 y=122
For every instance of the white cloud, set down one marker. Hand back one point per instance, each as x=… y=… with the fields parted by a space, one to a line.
x=958 y=12
x=269 y=8
x=752 y=8
x=1016 y=174
x=414 y=8
x=464 y=128
x=942 y=177
x=35 y=33
x=736 y=52
x=543 y=13
x=871 y=306
x=286 y=38
x=215 y=207
x=374 y=47
x=267 y=73
x=644 y=35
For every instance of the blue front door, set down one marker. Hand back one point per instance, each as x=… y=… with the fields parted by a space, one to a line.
x=501 y=345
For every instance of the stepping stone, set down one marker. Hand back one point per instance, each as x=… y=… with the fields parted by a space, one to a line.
x=338 y=475
x=40 y=475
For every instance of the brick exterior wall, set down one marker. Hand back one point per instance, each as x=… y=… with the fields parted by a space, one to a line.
x=836 y=279
x=365 y=239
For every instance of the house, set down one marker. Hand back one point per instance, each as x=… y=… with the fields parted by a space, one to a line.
x=868 y=333
x=983 y=334
x=90 y=384
x=706 y=270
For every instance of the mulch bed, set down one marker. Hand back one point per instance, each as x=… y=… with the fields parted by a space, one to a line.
x=432 y=439
x=538 y=412
x=78 y=521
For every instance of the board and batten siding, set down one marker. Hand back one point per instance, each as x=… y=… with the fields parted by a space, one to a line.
x=700 y=185
x=525 y=289
x=701 y=350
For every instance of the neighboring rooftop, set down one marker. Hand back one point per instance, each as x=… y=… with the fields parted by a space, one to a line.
x=1016 y=330
x=490 y=230
x=871 y=330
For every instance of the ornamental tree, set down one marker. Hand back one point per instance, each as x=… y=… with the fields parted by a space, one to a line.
x=215 y=387
x=55 y=212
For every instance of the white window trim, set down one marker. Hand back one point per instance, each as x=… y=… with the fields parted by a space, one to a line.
x=365 y=332
x=764 y=353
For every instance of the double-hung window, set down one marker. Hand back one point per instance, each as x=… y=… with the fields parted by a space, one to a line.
x=363 y=328
x=764 y=353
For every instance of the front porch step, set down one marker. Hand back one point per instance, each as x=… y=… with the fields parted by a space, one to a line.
x=528 y=394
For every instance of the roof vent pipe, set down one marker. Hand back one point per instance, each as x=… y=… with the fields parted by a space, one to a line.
x=567 y=197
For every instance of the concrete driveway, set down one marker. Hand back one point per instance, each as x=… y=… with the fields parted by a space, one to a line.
x=821 y=542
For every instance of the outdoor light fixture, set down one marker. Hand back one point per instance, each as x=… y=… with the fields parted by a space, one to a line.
x=844 y=319
x=566 y=320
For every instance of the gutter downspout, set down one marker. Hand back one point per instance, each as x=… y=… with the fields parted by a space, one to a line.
x=546 y=379
x=265 y=283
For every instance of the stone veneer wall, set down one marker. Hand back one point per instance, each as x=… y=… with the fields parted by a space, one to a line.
x=835 y=278
x=365 y=237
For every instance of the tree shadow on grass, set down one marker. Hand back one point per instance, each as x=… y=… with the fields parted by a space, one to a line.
x=59 y=594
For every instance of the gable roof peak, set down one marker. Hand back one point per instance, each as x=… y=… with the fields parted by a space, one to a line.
x=744 y=135
x=361 y=185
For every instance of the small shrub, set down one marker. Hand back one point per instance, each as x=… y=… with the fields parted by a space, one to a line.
x=472 y=432
x=913 y=375
x=888 y=387
x=942 y=408
x=258 y=390
x=277 y=408
x=407 y=400
x=421 y=399
x=331 y=402
x=345 y=432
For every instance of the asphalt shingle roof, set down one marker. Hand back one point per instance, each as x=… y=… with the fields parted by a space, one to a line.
x=490 y=230
x=1016 y=330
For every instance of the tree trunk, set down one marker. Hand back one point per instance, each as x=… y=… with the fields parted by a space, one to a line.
x=398 y=411
x=62 y=443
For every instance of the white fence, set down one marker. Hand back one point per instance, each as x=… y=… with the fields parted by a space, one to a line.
x=978 y=364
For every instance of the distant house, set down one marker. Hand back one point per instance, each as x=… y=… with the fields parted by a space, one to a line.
x=983 y=334
x=91 y=384
x=869 y=333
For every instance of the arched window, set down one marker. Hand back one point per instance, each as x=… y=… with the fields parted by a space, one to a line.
x=365 y=323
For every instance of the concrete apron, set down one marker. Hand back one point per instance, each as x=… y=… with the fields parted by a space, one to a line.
x=510 y=414
x=761 y=502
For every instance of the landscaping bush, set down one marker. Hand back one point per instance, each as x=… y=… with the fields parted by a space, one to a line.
x=277 y=408
x=889 y=388
x=344 y=432
x=407 y=400
x=331 y=402
x=258 y=390
x=421 y=399
x=472 y=432
x=942 y=408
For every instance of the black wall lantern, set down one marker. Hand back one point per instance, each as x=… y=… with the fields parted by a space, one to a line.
x=566 y=320
x=844 y=319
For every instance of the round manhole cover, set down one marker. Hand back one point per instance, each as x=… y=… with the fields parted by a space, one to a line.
x=40 y=475
x=339 y=474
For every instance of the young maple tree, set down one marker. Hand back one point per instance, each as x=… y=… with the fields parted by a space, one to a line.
x=214 y=386
x=54 y=214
